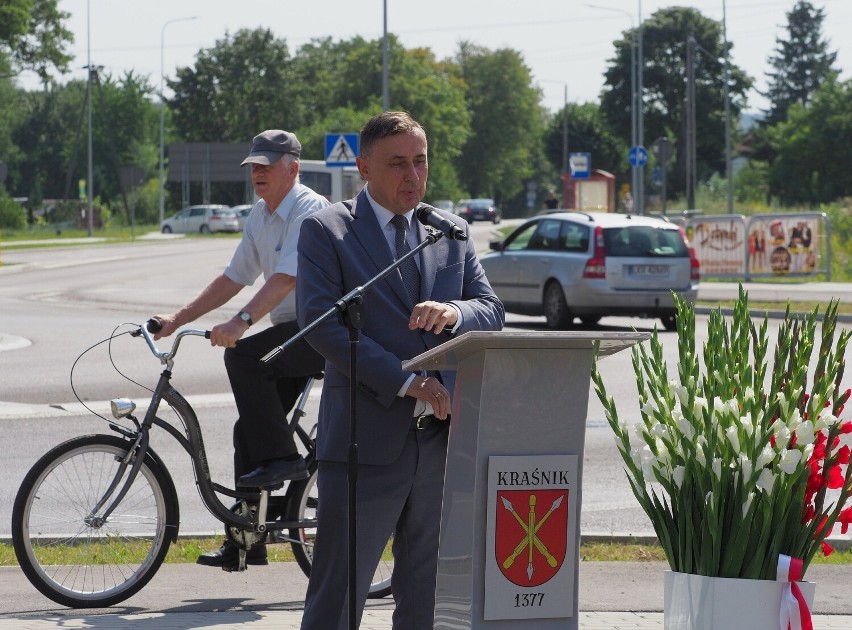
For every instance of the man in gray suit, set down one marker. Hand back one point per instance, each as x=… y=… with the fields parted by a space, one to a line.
x=402 y=416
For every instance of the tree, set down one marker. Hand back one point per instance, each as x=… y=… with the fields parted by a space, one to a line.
x=800 y=64
x=506 y=122
x=813 y=149
x=240 y=86
x=665 y=37
x=125 y=127
x=251 y=82
x=33 y=37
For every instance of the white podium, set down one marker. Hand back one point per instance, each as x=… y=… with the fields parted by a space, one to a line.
x=510 y=522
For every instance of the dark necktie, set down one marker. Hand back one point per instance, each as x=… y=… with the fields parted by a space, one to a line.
x=408 y=269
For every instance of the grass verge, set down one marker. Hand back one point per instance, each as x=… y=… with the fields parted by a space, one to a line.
x=186 y=550
x=843 y=308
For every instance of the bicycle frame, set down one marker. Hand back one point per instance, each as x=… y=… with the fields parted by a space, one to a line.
x=194 y=447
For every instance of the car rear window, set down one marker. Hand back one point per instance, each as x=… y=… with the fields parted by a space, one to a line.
x=642 y=240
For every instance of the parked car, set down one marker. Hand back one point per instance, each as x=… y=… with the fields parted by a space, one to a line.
x=445 y=204
x=203 y=218
x=479 y=210
x=592 y=264
x=242 y=212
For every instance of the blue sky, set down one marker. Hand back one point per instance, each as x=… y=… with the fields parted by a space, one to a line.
x=564 y=42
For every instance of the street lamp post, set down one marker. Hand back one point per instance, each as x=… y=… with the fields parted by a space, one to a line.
x=162 y=109
x=385 y=61
x=89 y=170
x=729 y=172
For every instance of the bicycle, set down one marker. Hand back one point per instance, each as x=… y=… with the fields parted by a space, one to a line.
x=89 y=500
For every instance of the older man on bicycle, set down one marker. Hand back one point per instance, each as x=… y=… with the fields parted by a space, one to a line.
x=265 y=453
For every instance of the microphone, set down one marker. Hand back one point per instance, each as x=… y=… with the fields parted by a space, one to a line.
x=427 y=215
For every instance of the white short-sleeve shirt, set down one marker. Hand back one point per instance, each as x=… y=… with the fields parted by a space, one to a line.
x=268 y=245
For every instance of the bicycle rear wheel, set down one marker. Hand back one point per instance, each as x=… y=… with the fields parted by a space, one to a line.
x=305 y=506
x=61 y=546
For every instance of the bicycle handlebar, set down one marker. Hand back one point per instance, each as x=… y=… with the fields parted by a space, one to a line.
x=154 y=325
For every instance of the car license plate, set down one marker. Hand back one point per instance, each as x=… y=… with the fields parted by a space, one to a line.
x=648 y=271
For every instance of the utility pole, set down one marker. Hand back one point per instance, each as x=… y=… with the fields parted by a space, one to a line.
x=385 y=61
x=729 y=171
x=639 y=201
x=89 y=169
x=690 y=123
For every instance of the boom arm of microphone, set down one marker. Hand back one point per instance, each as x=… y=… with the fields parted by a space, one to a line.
x=427 y=215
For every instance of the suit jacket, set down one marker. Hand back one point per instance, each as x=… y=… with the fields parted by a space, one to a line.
x=341 y=247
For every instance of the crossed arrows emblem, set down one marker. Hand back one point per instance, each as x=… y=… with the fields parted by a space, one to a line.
x=530 y=538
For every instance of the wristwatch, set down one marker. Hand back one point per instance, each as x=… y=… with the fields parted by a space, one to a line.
x=243 y=315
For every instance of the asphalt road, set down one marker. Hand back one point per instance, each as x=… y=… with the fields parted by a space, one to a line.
x=55 y=303
x=61 y=301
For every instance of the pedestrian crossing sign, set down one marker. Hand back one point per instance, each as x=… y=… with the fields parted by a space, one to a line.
x=341 y=149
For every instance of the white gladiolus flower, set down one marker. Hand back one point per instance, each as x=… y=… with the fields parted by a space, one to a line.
x=766 y=456
x=686 y=428
x=805 y=433
x=790 y=460
x=678 y=474
x=733 y=438
x=747 y=467
x=717 y=468
x=766 y=480
x=794 y=420
x=649 y=407
x=747 y=424
x=785 y=404
x=658 y=429
x=682 y=394
x=663 y=455
x=820 y=424
x=749 y=393
x=732 y=407
x=782 y=436
x=699 y=407
x=636 y=456
x=807 y=452
x=647 y=461
x=830 y=419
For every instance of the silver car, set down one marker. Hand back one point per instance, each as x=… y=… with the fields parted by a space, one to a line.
x=242 y=212
x=568 y=264
x=204 y=218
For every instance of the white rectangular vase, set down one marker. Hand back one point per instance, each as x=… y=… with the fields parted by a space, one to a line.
x=698 y=602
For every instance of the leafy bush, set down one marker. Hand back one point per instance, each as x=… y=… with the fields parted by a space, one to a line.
x=13 y=216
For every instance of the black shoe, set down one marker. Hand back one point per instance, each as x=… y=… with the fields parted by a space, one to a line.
x=274 y=471
x=228 y=556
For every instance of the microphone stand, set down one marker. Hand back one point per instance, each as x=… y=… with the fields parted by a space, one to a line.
x=350 y=310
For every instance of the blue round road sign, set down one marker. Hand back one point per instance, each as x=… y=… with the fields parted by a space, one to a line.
x=638 y=156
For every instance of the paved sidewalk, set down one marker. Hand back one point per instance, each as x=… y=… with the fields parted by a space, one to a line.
x=289 y=620
x=613 y=596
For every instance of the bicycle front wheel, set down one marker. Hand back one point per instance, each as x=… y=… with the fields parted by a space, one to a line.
x=62 y=544
x=305 y=506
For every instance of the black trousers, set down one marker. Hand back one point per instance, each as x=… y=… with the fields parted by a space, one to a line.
x=265 y=393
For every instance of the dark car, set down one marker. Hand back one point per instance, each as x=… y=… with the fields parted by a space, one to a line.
x=479 y=210
x=592 y=264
